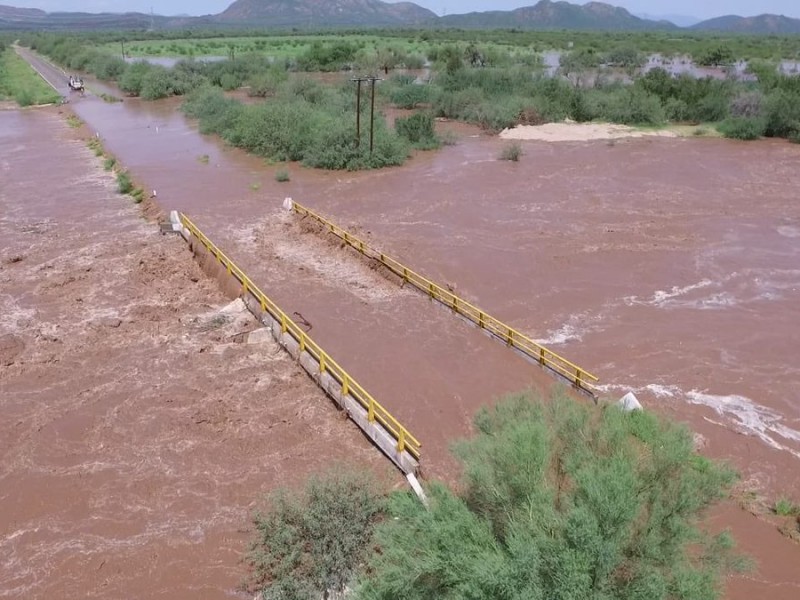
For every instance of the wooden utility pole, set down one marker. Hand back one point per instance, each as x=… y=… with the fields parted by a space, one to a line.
x=358 y=113
x=359 y=80
x=372 y=117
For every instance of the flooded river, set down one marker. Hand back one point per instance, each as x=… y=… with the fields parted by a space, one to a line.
x=670 y=267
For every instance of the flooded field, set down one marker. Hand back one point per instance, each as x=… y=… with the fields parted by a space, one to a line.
x=665 y=266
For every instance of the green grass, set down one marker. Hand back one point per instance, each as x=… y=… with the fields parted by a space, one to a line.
x=255 y=186
x=203 y=159
x=96 y=146
x=786 y=508
x=18 y=81
x=124 y=183
x=74 y=121
x=282 y=176
x=109 y=163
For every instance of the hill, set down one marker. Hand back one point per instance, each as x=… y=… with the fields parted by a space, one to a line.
x=321 y=14
x=324 y=13
x=556 y=15
x=762 y=24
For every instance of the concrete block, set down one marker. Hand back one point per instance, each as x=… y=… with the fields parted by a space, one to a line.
x=629 y=402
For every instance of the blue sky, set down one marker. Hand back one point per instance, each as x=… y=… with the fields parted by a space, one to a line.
x=702 y=9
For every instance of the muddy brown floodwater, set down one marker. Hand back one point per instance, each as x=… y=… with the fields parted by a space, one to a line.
x=136 y=435
x=666 y=267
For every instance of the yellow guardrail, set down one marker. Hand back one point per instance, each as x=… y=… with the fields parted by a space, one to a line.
x=579 y=377
x=376 y=413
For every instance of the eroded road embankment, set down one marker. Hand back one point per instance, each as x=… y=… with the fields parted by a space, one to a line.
x=136 y=434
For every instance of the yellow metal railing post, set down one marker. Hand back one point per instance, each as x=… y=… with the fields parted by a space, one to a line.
x=322 y=366
x=541 y=356
x=284 y=324
x=345 y=385
x=401 y=442
x=371 y=411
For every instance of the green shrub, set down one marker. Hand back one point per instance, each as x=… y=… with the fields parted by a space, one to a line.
x=267 y=83
x=132 y=78
x=310 y=543
x=410 y=95
x=138 y=195
x=748 y=104
x=559 y=500
x=783 y=114
x=721 y=55
x=107 y=67
x=124 y=183
x=419 y=130
x=786 y=508
x=156 y=84
x=109 y=163
x=625 y=56
x=229 y=82
x=217 y=114
x=743 y=128
x=512 y=152
x=282 y=176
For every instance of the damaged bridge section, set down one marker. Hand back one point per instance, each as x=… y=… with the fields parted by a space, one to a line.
x=391 y=437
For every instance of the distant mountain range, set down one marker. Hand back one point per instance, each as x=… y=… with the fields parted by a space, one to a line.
x=325 y=13
x=679 y=20
x=322 y=14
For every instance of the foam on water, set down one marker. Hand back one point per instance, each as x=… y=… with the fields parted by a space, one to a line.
x=736 y=288
x=568 y=332
x=661 y=297
x=760 y=421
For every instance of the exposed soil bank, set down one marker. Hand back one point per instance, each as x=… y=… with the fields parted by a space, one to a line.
x=136 y=435
x=580 y=132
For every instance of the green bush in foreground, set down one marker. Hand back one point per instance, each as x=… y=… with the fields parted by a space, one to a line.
x=559 y=501
x=309 y=543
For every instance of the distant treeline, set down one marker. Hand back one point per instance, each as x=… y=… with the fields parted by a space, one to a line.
x=488 y=85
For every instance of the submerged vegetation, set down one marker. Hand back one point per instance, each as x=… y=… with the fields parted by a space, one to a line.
x=536 y=516
x=493 y=79
x=305 y=121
